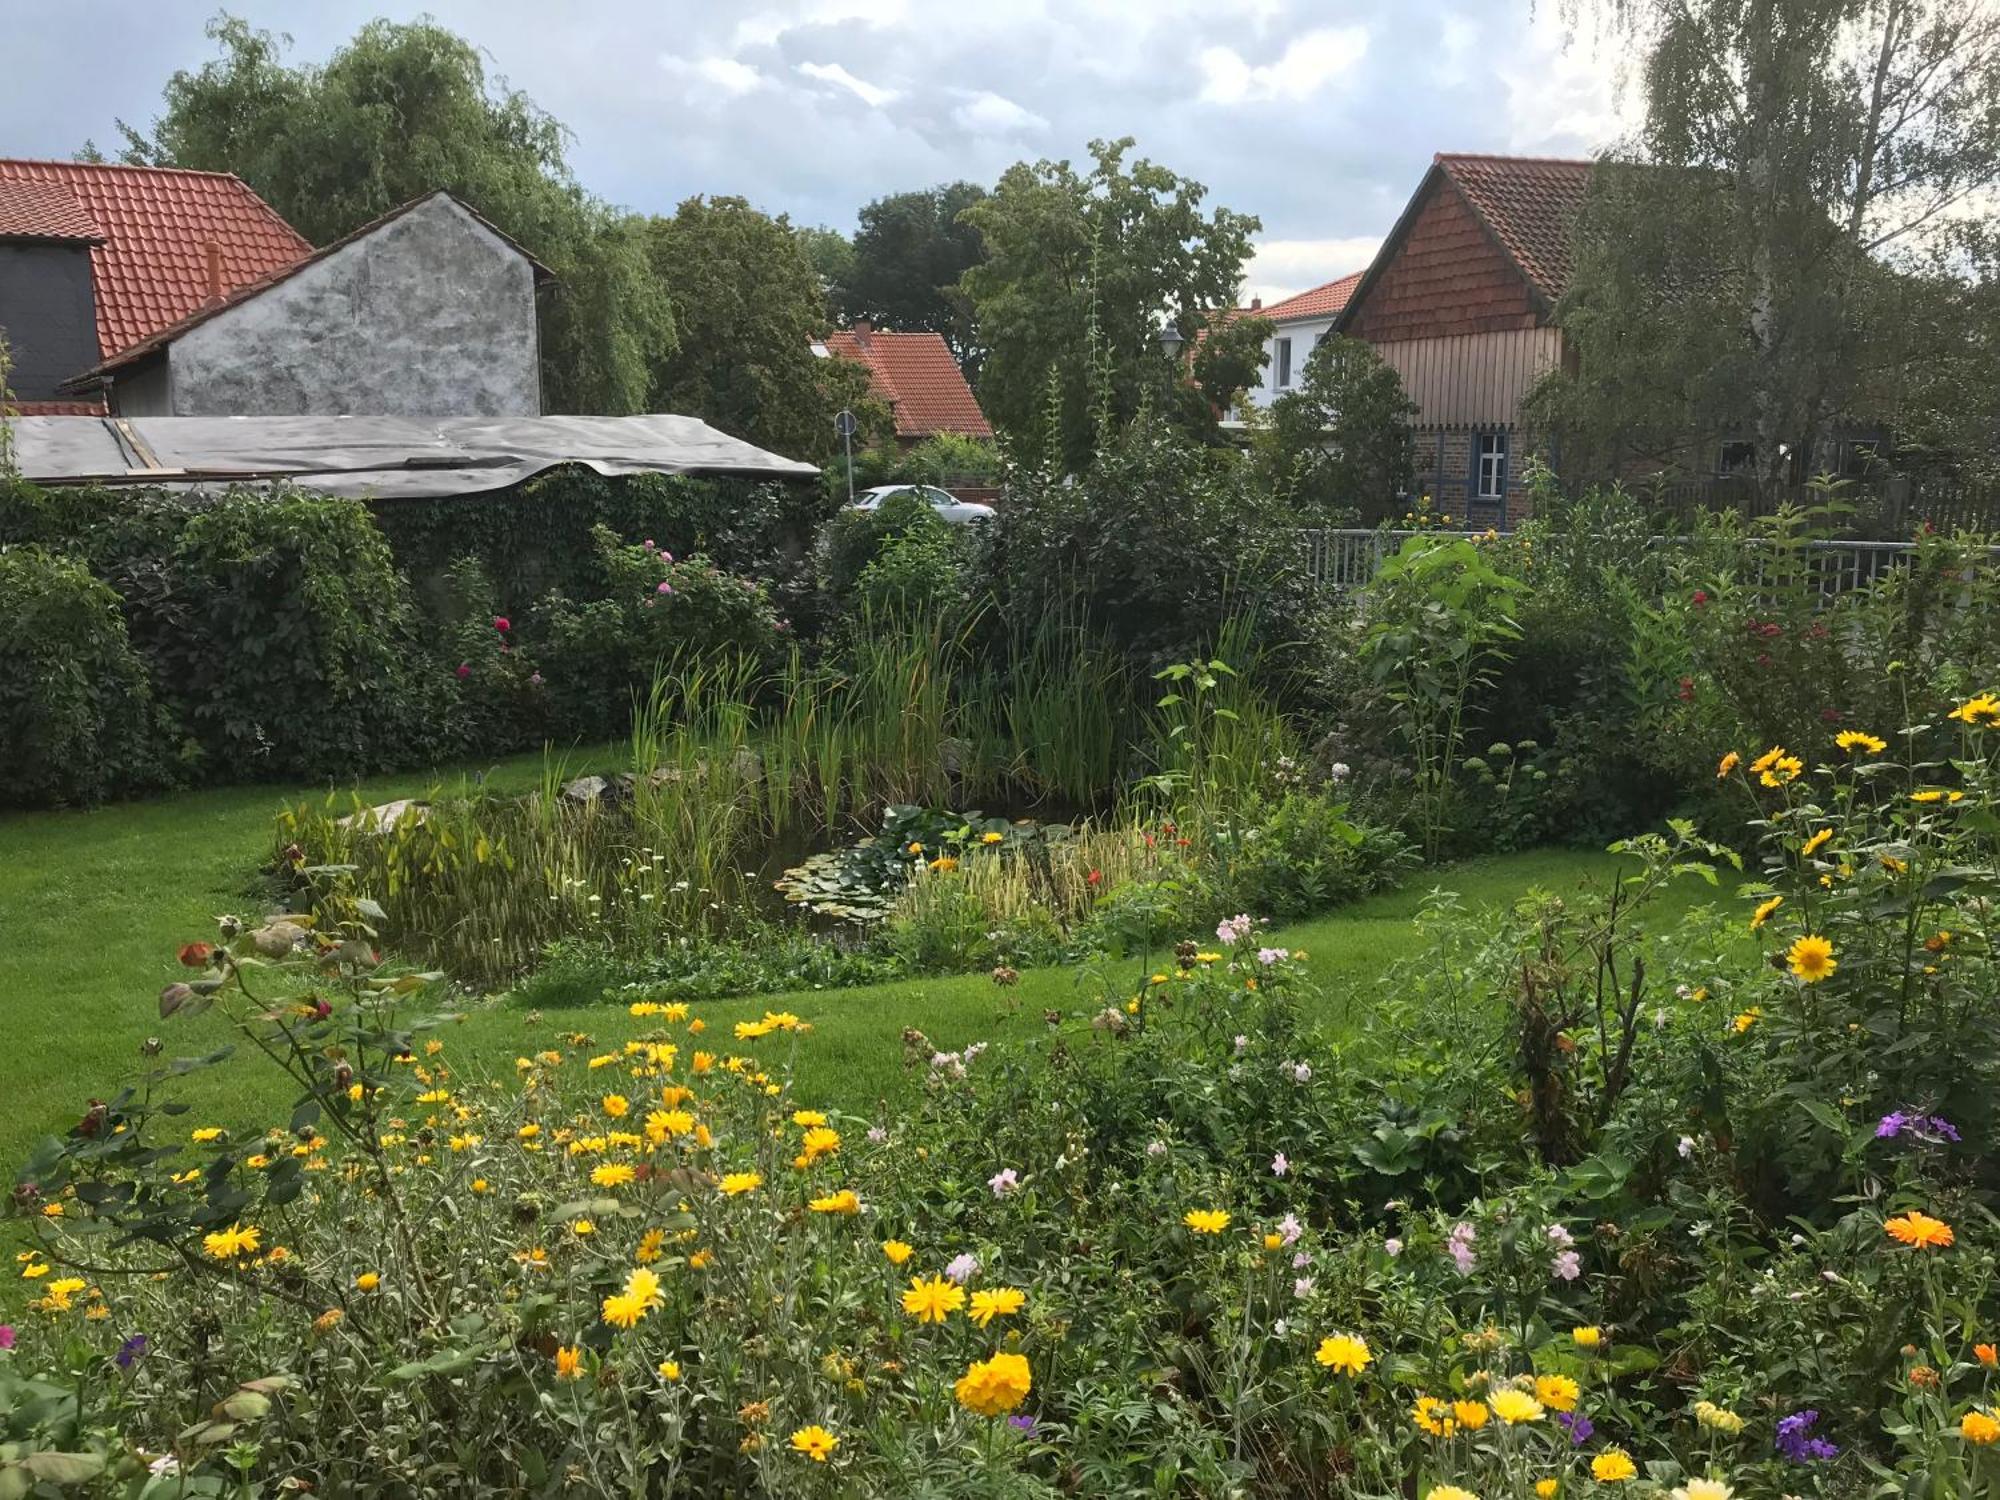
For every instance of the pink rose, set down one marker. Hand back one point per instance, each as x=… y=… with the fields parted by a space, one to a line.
x=464 y=670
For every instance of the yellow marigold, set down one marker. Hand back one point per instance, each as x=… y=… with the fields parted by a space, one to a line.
x=206 y=1134
x=842 y=1202
x=1343 y=1352
x=1728 y=763
x=820 y=1140
x=1852 y=740
x=897 y=1251
x=1811 y=958
x=1816 y=843
x=1545 y=1489
x=617 y=1106
x=1448 y=1492
x=1987 y=1354
x=736 y=1183
x=669 y=1370
x=1471 y=1415
x=1588 y=1337
x=1556 y=1392
x=993 y=1387
x=1000 y=1302
x=1920 y=1231
x=1763 y=912
x=815 y=1442
x=612 y=1174
x=1979 y=1427
x=933 y=1300
x=806 y=1118
x=227 y=1244
x=569 y=1362
x=368 y=1281
x=1613 y=1466
x=1515 y=1407
x=1206 y=1220
x=623 y=1311
x=1982 y=712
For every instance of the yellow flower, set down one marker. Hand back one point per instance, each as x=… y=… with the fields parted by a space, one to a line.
x=481 y=1185
x=701 y=1260
x=1763 y=912
x=206 y=1134
x=616 y=1105
x=1434 y=1416
x=1613 y=1466
x=1547 y=1488
x=990 y=837
x=1471 y=1415
x=897 y=1251
x=60 y=1293
x=1920 y=1231
x=1785 y=768
x=1273 y=1240
x=327 y=1321
x=367 y=1281
x=1001 y=1302
x=993 y=1387
x=569 y=1362
x=1515 y=1407
x=1851 y=740
x=1343 y=1352
x=1702 y=1489
x=820 y=1140
x=670 y=1370
x=1979 y=1427
x=1728 y=763
x=1811 y=958
x=35 y=1269
x=842 y=1202
x=1448 y=1492
x=622 y=1311
x=1206 y=1220
x=1588 y=1337
x=934 y=1300
x=612 y=1174
x=944 y=863
x=1817 y=842
x=1717 y=1418
x=1767 y=760
x=1746 y=1019
x=237 y=1239
x=805 y=1118
x=815 y=1442
x=741 y=1182
x=581 y=1227
x=1982 y=712
x=1556 y=1392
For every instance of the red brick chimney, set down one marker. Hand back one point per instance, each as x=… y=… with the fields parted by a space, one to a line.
x=861 y=330
x=1256 y=303
x=212 y=253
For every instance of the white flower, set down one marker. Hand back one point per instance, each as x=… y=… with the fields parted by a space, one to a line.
x=1393 y=1246
x=877 y=1135
x=1338 y=771
x=1685 y=1147
x=1303 y=1287
x=1279 y=1165
x=1301 y=1072
x=963 y=1269
x=1241 y=1043
x=1281 y=1328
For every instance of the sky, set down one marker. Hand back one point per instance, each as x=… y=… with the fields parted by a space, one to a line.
x=1319 y=118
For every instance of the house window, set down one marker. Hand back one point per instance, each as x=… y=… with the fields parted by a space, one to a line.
x=1490 y=465
x=1284 y=363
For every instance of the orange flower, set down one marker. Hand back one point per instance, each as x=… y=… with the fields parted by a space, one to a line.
x=1987 y=1355
x=1920 y=1231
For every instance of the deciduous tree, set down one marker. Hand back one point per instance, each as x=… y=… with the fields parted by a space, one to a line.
x=910 y=254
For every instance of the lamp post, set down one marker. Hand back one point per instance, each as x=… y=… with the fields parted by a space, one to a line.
x=1171 y=340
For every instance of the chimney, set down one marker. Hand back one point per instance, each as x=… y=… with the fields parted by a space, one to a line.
x=1256 y=303
x=861 y=330
x=212 y=253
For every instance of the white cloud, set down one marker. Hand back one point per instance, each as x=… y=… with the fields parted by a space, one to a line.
x=723 y=75
x=1564 y=94
x=868 y=93
x=1311 y=60
x=987 y=113
x=766 y=27
x=1284 y=268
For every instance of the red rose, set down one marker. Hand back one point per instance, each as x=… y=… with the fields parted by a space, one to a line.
x=1700 y=597
x=197 y=955
x=500 y=622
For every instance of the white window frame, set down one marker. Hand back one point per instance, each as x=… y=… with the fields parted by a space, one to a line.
x=1281 y=361
x=1492 y=471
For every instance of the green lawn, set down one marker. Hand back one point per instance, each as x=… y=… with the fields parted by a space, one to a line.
x=94 y=904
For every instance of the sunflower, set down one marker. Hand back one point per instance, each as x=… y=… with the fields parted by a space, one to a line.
x=1920 y=1231
x=1785 y=768
x=1852 y=740
x=1982 y=712
x=1763 y=912
x=1811 y=958
x=1816 y=843
x=1727 y=764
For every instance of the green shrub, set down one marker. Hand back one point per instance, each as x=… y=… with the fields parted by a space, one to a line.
x=1304 y=856
x=76 y=712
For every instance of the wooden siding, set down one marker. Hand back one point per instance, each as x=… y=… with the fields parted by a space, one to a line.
x=1447 y=277
x=1475 y=379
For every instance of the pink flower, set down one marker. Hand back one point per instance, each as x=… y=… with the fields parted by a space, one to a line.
x=6 y=1335
x=1280 y=1165
x=1004 y=1182
x=647 y=544
x=1289 y=1228
x=534 y=679
x=501 y=622
x=665 y=587
x=1567 y=1266
x=963 y=1268
x=464 y=670
x=1459 y=1245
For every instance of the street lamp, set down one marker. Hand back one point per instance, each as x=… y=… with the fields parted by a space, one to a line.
x=1171 y=340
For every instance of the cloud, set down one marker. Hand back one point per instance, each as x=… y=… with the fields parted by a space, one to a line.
x=1309 y=62
x=723 y=75
x=870 y=94
x=766 y=28
x=1284 y=268
x=987 y=113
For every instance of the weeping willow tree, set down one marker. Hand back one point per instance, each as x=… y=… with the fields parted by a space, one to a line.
x=1819 y=159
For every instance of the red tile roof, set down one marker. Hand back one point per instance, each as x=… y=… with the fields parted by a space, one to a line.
x=52 y=408
x=43 y=211
x=152 y=267
x=916 y=374
x=258 y=285
x=1315 y=302
x=1531 y=205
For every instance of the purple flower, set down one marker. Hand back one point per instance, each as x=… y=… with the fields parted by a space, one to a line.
x=1004 y=1182
x=1280 y=1165
x=129 y=1351
x=464 y=670
x=6 y=1335
x=1794 y=1442
x=1580 y=1427
x=1458 y=1244
x=963 y=1268
x=1235 y=929
x=1931 y=1128
x=1021 y=1422
x=1944 y=1129
x=1566 y=1266
x=1269 y=956
x=1301 y=1072
x=877 y=1134
x=1559 y=1236
x=534 y=679
x=1891 y=1125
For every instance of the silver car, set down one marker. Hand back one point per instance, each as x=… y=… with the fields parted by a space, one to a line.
x=946 y=504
